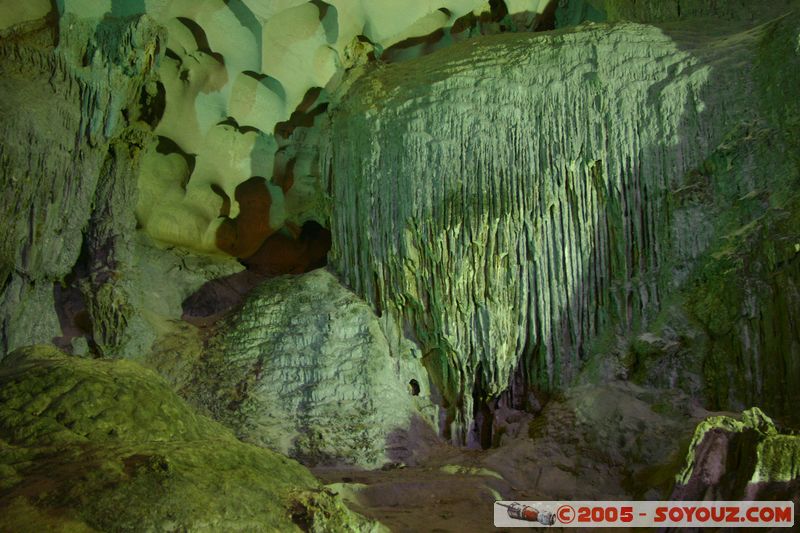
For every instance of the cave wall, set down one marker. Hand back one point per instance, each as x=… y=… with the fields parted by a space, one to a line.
x=573 y=12
x=744 y=293
x=512 y=216
x=553 y=241
x=164 y=123
x=71 y=137
x=235 y=77
x=173 y=118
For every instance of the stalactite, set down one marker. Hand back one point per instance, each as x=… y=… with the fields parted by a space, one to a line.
x=508 y=200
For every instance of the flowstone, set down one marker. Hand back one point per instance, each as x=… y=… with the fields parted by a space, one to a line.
x=507 y=200
x=73 y=125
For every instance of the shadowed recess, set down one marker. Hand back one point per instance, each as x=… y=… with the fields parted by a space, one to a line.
x=247 y=19
x=200 y=38
x=273 y=84
x=304 y=115
x=167 y=146
x=230 y=121
x=283 y=172
x=225 y=209
x=329 y=17
x=241 y=237
x=292 y=254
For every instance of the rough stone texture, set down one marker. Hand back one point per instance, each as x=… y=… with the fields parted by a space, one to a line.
x=745 y=292
x=620 y=200
x=572 y=12
x=158 y=282
x=100 y=446
x=508 y=200
x=16 y=15
x=304 y=368
x=238 y=73
x=728 y=330
x=233 y=72
x=165 y=276
x=612 y=439
x=155 y=284
x=747 y=458
x=32 y=206
x=64 y=109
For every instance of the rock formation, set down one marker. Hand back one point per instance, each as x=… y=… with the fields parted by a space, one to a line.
x=509 y=213
x=362 y=264
x=731 y=459
x=106 y=445
x=304 y=368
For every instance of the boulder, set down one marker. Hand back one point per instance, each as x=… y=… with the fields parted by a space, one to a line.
x=305 y=368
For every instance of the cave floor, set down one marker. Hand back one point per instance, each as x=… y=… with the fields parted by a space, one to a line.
x=597 y=442
x=419 y=498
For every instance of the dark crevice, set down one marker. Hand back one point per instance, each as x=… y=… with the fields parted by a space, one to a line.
x=498 y=9
x=464 y=23
x=547 y=20
x=323 y=8
x=280 y=254
x=167 y=146
x=152 y=106
x=70 y=304
x=272 y=84
x=300 y=517
x=170 y=53
x=243 y=236
x=304 y=115
x=284 y=253
x=230 y=121
x=52 y=20
x=378 y=308
x=481 y=413
x=200 y=38
x=426 y=41
x=283 y=171
x=225 y=209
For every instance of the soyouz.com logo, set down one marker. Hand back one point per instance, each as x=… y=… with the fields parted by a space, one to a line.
x=644 y=514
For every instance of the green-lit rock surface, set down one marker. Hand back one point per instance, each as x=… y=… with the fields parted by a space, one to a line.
x=744 y=457
x=235 y=72
x=515 y=199
x=568 y=245
x=745 y=293
x=107 y=446
x=572 y=12
x=304 y=368
x=72 y=129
